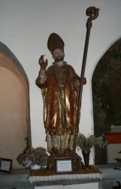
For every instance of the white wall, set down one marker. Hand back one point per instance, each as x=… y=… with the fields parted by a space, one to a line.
x=13 y=124
x=113 y=152
x=25 y=28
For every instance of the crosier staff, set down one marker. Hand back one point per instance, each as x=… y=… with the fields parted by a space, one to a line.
x=93 y=13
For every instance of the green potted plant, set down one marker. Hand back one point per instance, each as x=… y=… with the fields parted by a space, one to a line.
x=86 y=143
x=34 y=158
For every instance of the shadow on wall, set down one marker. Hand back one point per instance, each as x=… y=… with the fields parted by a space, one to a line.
x=14 y=107
x=106 y=90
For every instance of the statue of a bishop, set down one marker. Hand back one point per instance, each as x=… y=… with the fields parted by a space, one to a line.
x=60 y=87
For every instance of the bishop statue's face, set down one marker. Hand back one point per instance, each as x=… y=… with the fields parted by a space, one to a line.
x=58 y=55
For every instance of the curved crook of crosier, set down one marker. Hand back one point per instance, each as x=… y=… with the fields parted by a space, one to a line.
x=93 y=12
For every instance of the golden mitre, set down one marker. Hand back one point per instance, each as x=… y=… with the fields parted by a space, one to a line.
x=55 y=42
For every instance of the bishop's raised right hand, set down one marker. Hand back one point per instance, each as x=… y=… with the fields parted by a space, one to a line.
x=43 y=63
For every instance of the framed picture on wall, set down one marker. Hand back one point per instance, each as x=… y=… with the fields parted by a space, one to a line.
x=5 y=165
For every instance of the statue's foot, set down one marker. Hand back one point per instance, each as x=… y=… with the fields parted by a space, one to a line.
x=68 y=152
x=53 y=151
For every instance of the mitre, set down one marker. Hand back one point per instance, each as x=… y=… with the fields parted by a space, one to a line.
x=55 y=42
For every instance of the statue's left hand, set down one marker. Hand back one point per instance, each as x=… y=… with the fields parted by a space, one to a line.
x=82 y=80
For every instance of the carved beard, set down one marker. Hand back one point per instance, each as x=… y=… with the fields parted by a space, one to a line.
x=59 y=59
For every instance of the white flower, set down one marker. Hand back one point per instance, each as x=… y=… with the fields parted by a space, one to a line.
x=27 y=162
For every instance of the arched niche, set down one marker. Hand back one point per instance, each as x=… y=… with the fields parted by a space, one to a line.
x=14 y=107
x=106 y=91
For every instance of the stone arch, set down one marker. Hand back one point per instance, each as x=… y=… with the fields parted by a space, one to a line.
x=14 y=107
x=106 y=92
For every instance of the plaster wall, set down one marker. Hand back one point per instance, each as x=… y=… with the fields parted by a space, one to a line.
x=113 y=152
x=13 y=121
x=25 y=28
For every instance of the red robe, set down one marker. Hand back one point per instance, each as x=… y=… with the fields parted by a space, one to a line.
x=60 y=95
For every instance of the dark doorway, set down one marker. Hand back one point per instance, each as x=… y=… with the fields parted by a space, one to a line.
x=106 y=90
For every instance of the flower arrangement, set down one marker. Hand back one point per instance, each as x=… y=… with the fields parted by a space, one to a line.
x=33 y=156
x=87 y=143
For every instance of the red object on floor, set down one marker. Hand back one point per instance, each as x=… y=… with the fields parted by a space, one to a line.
x=113 y=137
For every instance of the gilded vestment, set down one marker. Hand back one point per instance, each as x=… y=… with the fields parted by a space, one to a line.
x=60 y=93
